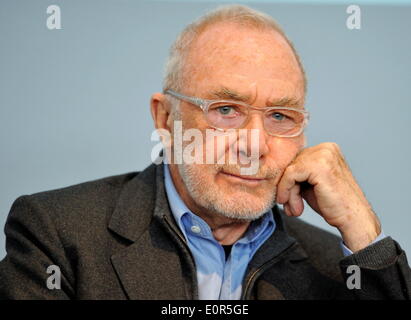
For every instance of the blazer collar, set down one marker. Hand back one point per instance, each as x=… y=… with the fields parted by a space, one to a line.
x=140 y=201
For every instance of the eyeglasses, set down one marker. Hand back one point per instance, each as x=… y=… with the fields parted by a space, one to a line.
x=225 y=114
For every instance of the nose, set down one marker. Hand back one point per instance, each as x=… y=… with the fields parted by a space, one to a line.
x=255 y=146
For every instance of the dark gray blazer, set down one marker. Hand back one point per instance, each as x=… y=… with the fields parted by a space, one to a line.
x=115 y=238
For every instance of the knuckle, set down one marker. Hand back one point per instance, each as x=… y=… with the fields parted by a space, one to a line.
x=326 y=158
x=292 y=168
x=326 y=154
x=323 y=162
x=334 y=147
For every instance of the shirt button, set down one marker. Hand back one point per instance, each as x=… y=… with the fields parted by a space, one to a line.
x=196 y=229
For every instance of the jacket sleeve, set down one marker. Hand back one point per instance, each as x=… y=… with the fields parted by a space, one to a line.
x=383 y=271
x=33 y=245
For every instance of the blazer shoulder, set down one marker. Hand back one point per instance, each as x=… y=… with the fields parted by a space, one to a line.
x=83 y=204
x=89 y=191
x=114 y=180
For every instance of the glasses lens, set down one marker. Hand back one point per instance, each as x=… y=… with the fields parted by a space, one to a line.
x=283 y=122
x=226 y=116
x=279 y=121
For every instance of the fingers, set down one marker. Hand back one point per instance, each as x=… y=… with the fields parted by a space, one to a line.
x=287 y=209
x=295 y=201
x=295 y=205
x=291 y=177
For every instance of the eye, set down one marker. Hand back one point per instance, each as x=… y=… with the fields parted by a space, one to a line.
x=278 y=116
x=226 y=110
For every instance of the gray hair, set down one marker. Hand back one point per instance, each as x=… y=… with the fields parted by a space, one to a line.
x=173 y=78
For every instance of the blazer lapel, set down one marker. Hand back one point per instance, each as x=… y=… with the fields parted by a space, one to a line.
x=150 y=267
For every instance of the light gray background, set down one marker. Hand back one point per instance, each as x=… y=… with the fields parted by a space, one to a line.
x=74 y=103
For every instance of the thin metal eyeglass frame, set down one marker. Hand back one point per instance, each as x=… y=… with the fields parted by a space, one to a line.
x=204 y=104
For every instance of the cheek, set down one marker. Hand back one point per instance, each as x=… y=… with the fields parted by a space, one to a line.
x=284 y=150
x=207 y=175
x=192 y=117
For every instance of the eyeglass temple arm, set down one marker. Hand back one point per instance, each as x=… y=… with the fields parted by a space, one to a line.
x=197 y=101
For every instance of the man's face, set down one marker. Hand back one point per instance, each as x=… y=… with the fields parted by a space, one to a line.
x=256 y=65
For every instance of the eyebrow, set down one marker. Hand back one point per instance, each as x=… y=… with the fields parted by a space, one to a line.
x=228 y=94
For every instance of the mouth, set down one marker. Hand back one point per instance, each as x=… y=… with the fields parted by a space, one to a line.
x=252 y=181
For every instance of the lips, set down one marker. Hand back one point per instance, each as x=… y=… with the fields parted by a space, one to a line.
x=245 y=178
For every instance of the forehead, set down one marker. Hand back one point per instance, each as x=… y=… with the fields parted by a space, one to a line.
x=242 y=58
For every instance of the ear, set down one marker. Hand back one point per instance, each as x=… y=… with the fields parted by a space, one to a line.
x=160 y=111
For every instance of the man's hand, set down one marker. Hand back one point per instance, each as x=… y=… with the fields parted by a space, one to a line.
x=321 y=176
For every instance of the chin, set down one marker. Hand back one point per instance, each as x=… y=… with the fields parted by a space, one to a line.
x=237 y=203
x=231 y=200
x=244 y=205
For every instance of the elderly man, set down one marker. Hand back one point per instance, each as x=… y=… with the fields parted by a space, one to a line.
x=208 y=229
